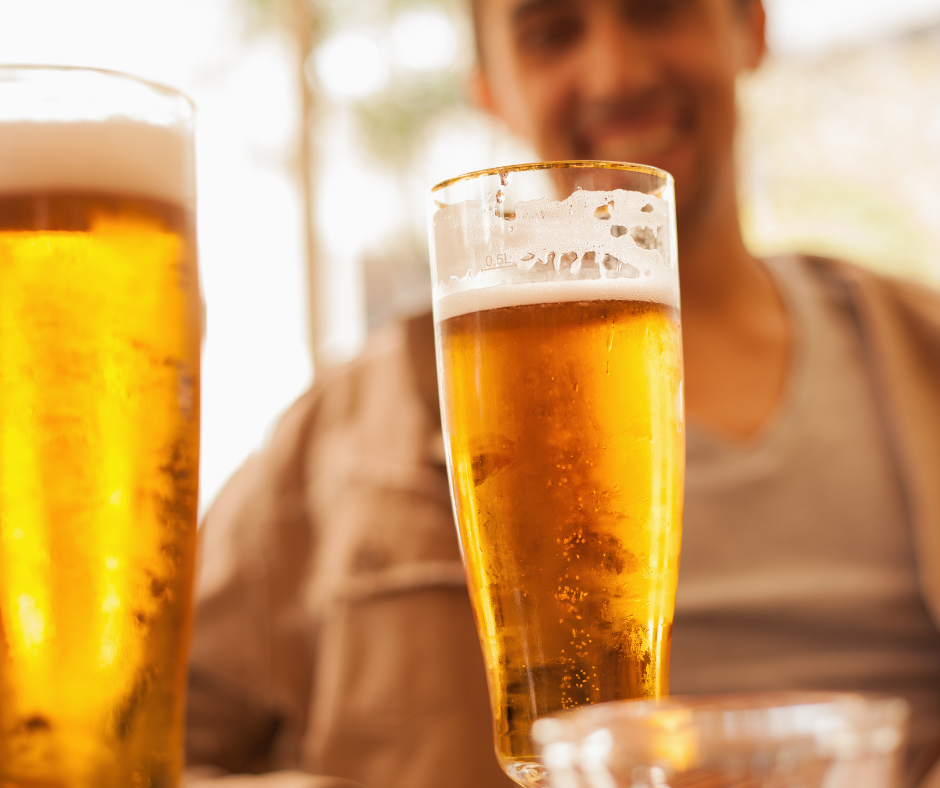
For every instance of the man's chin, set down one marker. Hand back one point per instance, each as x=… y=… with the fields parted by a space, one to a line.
x=657 y=150
x=675 y=157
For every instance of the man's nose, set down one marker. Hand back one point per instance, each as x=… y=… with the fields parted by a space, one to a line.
x=616 y=60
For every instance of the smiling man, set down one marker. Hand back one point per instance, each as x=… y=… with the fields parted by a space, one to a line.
x=653 y=81
x=334 y=634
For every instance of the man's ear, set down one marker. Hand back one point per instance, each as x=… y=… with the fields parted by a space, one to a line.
x=754 y=21
x=478 y=88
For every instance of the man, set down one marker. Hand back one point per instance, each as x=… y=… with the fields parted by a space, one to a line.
x=334 y=633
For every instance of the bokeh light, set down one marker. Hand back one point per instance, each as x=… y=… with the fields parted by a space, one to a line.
x=423 y=40
x=351 y=65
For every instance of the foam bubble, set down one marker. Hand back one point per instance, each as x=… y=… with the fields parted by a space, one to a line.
x=592 y=245
x=118 y=156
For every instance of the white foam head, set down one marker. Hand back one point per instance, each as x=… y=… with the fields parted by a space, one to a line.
x=117 y=156
x=464 y=302
x=612 y=245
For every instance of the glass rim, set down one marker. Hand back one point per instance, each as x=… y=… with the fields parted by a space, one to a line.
x=158 y=87
x=572 y=164
x=700 y=710
x=751 y=700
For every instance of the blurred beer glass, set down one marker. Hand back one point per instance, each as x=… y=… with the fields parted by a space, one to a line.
x=99 y=427
x=773 y=740
x=556 y=306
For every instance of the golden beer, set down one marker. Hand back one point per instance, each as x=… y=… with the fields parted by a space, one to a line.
x=99 y=446
x=99 y=449
x=564 y=421
x=559 y=350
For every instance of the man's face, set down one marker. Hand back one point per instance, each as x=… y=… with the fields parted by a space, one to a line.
x=649 y=81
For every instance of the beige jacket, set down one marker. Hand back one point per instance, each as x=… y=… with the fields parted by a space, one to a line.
x=334 y=633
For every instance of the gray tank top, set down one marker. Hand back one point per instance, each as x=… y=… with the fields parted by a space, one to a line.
x=798 y=567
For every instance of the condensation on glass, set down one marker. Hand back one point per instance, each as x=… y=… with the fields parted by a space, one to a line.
x=559 y=348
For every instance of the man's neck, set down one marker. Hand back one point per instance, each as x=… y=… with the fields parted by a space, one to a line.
x=736 y=328
x=716 y=270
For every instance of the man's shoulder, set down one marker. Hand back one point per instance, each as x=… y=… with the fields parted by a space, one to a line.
x=381 y=404
x=889 y=308
x=387 y=395
x=397 y=362
x=904 y=294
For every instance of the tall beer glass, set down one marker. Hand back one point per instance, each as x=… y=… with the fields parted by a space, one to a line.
x=99 y=427
x=556 y=305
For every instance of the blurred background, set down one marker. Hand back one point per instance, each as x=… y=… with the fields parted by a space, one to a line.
x=321 y=125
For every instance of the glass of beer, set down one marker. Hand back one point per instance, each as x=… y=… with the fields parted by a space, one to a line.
x=556 y=308
x=100 y=333
x=779 y=739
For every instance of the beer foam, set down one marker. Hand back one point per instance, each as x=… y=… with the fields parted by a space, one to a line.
x=478 y=299
x=592 y=245
x=117 y=155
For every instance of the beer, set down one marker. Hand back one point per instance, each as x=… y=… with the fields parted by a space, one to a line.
x=99 y=450
x=567 y=449
x=556 y=299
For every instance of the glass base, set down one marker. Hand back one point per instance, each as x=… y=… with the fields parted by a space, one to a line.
x=528 y=773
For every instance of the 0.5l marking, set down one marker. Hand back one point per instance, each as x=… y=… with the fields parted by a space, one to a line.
x=501 y=261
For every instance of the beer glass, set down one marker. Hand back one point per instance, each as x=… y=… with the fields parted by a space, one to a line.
x=769 y=740
x=99 y=427
x=556 y=309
